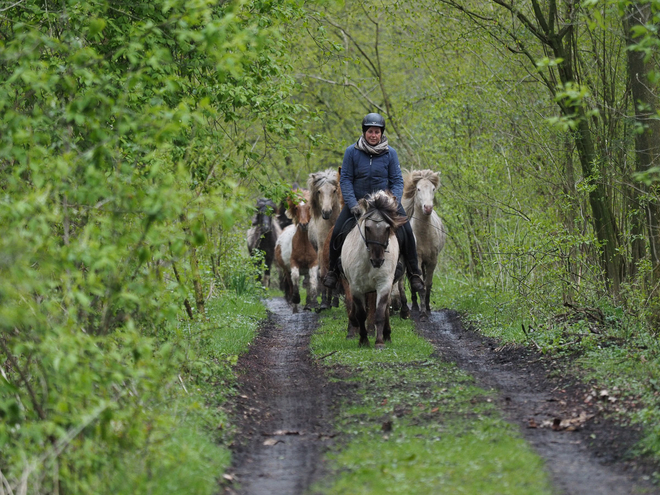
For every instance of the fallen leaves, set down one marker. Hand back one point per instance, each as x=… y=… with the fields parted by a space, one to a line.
x=562 y=424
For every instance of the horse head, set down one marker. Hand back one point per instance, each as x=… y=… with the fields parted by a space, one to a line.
x=378 y=222
x=419 y=190
x=263 y=217
x=299 y=210
x=324 y=193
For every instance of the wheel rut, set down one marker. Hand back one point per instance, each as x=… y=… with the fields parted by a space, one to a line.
x=282 y=408
x=587 y=459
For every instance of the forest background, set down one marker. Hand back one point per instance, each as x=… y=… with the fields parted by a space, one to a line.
x=135 y=137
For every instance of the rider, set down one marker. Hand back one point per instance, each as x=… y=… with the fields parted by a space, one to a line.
x=371 y=165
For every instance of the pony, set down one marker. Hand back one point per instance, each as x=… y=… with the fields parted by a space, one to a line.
x=368 y=257
x=263 y=235
x=295 y=254
x=418 y=200
x=326 y=203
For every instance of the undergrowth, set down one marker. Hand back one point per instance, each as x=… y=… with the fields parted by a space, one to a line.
x=418 y=425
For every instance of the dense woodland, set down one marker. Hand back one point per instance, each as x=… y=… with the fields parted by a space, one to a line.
x=135 y=137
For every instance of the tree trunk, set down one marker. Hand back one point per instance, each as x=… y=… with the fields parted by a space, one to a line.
x=647 y=143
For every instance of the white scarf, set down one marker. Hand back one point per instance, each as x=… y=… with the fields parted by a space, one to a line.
x=379 y=149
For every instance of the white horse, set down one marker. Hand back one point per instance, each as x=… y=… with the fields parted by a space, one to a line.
x=369 y=256
x=326 y=203
x=418 y=200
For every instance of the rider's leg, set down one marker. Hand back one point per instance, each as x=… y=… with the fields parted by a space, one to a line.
x=331 y=278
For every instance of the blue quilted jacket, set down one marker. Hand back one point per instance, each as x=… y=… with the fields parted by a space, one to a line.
x=362 y=174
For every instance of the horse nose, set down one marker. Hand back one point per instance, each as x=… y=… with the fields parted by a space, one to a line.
x=377 y=263
x=326 y=214
x=428 y=209
x=304 y=226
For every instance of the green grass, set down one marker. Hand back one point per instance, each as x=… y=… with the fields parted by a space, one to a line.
x=186 y=447
x=419 y=425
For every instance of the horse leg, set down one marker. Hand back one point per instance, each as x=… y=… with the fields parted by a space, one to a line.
x=387 y=329
x=405 y=312
x=395 y=298
x=325 y=299
x=371 y=313
x=381 y=314
x=313 y=277
x=360 y=316
x=413 y=296
x=335 y=297
x=295 y=291
x=423 y=296
x=353 y=326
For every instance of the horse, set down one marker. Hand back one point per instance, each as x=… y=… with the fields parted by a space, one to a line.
x=418 y=200
x=372 y=269
x=295 y=254
x=263 y=235
x=326 y=203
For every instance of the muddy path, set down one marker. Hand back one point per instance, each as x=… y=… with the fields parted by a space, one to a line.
x=585 y=451
x=284 y=410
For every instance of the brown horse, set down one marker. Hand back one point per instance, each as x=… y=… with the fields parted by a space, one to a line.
x=326 y=203
x=295 y=254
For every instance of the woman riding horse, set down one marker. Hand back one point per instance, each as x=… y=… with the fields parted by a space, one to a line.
x=371 y=165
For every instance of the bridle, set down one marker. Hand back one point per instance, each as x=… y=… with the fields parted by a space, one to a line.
x=371 y=241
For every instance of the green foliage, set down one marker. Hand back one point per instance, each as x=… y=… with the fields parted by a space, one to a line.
x=125 y=130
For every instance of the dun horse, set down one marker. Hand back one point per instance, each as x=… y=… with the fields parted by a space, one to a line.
x=418 y=200
x=296 y=256
x=263 y=235
x=326 y=203
x=369 y=256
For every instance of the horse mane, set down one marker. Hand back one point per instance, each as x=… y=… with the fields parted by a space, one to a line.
x=315 y=181
x=412 y=177
x=385 y=203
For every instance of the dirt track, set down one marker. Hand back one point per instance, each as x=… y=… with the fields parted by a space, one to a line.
x=284 y=410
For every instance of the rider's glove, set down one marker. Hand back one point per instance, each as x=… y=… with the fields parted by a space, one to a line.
x=355 y=211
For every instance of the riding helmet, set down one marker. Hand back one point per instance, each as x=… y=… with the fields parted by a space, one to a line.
x=373 y=120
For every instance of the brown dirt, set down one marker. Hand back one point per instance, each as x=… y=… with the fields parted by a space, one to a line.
x=284 y=410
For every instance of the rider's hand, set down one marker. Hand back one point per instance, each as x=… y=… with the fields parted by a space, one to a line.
x=355 y=211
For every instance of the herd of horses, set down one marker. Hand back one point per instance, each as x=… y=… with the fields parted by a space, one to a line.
x=296 y=236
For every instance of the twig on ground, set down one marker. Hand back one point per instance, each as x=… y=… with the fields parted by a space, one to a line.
x=327 y=355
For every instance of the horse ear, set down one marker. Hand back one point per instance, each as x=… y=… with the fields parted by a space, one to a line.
x=310 y=180
x=291 y=210
x=362 y=203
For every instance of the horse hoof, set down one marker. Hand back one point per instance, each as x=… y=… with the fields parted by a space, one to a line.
x=295 y=299
x=379 y=346
x=405 y=314
x=364 y=343
x=351 y=336
x=323 y=306
x=335 y=303
x=424 y=317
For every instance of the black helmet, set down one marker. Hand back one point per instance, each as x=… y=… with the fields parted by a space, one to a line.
x=373 y=120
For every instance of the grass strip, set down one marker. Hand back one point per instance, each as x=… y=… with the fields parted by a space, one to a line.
x=417 y=425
